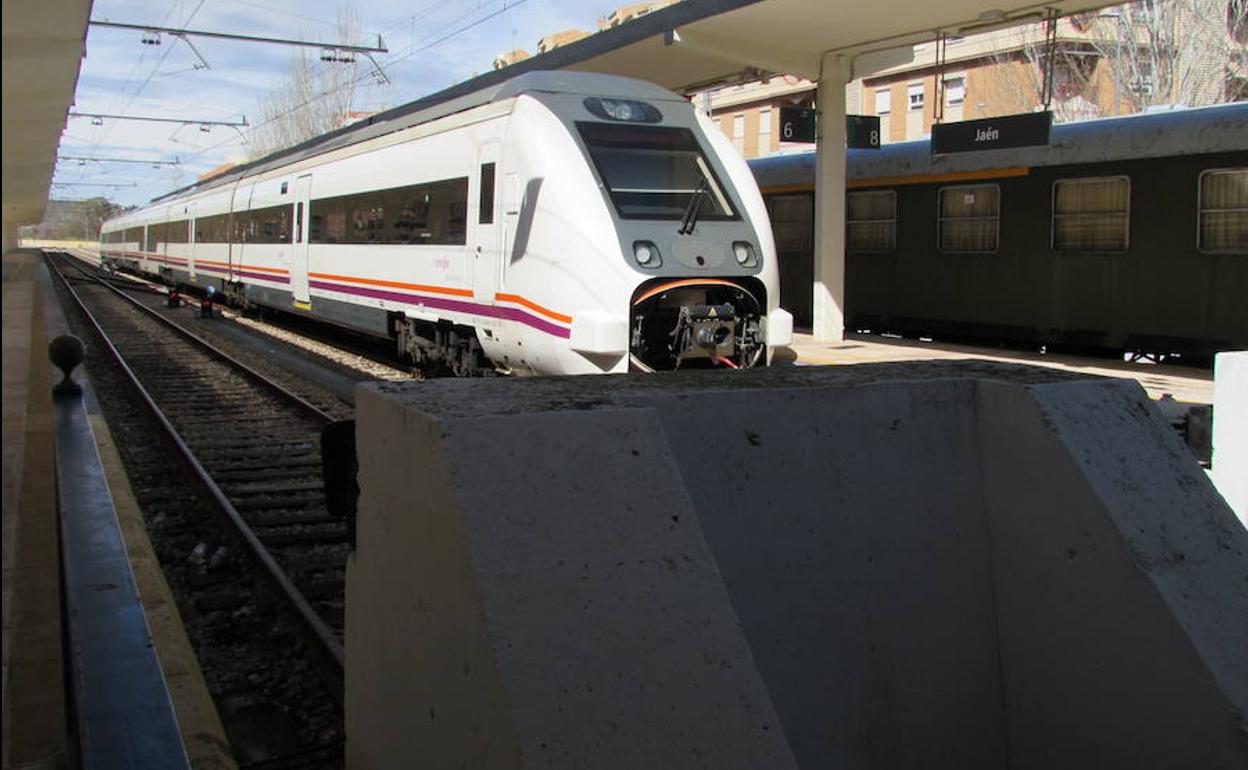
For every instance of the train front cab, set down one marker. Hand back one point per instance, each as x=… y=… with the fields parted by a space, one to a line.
x=683 y=246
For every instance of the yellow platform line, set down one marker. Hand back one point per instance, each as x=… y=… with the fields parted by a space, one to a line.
x=198 y=721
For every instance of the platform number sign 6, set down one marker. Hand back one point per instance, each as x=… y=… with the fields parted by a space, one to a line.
x=797 y=124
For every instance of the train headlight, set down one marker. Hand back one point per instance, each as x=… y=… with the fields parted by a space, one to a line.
x=646 y=254
x=744 y=252
x=625 y=110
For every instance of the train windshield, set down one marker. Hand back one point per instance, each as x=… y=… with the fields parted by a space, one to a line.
x=652 y=172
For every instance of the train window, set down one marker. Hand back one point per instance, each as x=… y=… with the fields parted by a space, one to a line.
x=269 y=225
x=969 y=219
x=428 y=213
x=871 y=220
x=213 y=229
x=652 y=172
x=1091 y=215
x=485 y=201
x=1223 y=226
x=170 y=232
x=134 y=237
x=792 y=221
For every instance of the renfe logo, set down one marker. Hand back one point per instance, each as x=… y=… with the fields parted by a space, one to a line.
x=988 y=134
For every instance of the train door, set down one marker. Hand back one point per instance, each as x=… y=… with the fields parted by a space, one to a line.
x=487 y=253
x=299 y=241
x=238 y=230
x=190 y=240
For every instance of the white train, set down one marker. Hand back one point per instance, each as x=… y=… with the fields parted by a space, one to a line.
x=556 y=223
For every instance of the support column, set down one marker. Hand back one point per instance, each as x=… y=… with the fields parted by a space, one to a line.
x=829 y=306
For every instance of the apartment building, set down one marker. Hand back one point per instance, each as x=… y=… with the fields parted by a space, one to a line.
x=1113 y=62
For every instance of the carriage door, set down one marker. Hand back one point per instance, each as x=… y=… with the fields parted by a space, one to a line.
x=299 y=243
x=486 y=256
x=189 y=237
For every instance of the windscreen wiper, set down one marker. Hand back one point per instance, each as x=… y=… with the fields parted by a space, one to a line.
x=690 y=218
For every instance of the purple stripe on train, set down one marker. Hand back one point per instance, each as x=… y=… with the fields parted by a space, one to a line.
x=493 y=311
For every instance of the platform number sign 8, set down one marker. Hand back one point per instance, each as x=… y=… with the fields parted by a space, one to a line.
x=862 y=132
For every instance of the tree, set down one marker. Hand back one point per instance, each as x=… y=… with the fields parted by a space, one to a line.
x=1128 y=58
x=315 y=96
x=73 y=220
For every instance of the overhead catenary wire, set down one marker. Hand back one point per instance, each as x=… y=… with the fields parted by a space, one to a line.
x=436 y=37
x=393 y=60
x=107 y=131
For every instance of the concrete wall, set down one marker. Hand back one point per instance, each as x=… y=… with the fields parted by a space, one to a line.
x=951 y=565
x=1230 y=429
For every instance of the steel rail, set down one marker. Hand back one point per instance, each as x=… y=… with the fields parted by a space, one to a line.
x=214 y=351
x=326 y=648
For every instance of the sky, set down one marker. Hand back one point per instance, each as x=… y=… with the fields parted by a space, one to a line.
x=432 y=45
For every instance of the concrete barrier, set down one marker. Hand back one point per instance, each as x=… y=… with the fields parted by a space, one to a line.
x=1230 y=429
x=954 y=564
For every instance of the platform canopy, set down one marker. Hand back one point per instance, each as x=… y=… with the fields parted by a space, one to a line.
x=43 y=46
x=700 y=44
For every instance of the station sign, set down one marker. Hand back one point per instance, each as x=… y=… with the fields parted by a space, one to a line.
x=797 y=124
x=992 y=133
x=862 y=132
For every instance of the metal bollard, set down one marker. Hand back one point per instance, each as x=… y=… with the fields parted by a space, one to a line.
x=205 y=304
x=66 y=352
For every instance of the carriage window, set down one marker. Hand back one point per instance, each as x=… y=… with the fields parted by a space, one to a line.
x=871 y=221
x=428 y=213
x=171 y=232
x=792 y=218
x=268 y=225
x=969 y=219
x=1224 y=211
x=485 y=204
x=1091 y=215
x=213 y=229
x=652 y=172
x=134 y=237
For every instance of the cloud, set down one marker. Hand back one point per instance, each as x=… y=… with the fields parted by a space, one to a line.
x=120 y=74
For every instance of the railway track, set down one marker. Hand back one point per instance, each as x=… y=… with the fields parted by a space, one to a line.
x=253 y=446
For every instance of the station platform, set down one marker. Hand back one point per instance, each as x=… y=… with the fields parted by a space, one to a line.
x=97 y=670
x=1185 y=384
x=33 y=685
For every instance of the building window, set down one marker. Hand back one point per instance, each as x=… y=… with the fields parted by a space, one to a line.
x=969 y=221
x=883 y=100
x=871 y=221
x=1091 y=215
x=738 y=131
x=1224 y=211
x=764 y=130
x=915 y=93
x=955 y=90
